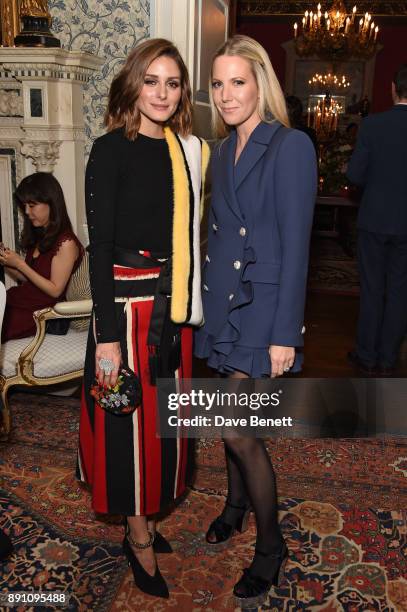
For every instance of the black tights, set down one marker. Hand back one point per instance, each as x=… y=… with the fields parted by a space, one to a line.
x=252 y=482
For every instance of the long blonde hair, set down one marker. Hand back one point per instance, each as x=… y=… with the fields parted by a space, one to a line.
x=271 y=98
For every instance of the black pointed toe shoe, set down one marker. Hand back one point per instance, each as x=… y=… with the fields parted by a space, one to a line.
x=161 y=545
x=6 y=546
x=152 y=585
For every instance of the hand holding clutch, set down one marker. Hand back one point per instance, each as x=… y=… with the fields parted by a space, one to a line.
x=121 y=399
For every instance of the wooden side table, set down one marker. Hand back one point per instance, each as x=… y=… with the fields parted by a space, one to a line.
x=327 y=219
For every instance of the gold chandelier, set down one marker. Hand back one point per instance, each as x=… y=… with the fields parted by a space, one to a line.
x=323 y=117
x=329 y=81
x=335 y=34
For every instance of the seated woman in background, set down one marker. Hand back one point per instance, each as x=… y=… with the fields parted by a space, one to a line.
x=53 y=253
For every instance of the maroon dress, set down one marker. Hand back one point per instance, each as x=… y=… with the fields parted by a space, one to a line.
x=24 y=299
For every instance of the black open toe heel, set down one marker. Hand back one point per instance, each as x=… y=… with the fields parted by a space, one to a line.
x=222 y=529
x=251 y=591
x=152 y=585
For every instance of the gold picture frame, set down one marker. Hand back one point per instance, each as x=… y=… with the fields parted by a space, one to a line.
x=10 y=21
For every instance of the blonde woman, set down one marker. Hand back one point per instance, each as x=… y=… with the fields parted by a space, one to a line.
x=264 y=187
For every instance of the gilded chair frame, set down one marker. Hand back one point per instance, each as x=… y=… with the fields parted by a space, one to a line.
x=25 y=364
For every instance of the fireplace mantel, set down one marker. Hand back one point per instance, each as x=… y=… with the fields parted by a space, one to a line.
x=74 y=62
x=42 y=127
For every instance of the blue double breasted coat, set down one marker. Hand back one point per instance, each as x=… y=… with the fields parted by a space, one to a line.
x=255 y=273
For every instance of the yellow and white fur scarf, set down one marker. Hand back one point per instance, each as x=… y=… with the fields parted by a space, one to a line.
x=189 y=160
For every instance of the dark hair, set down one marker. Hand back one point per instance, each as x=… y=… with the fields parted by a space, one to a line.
x=42 y=187
x=128 y=83
x=400 y=81
x=295 y=110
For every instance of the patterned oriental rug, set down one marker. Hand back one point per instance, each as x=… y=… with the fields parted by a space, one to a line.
x=332 y=269
x=342 y=509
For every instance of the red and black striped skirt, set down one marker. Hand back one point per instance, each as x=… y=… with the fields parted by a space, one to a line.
x=130 y=470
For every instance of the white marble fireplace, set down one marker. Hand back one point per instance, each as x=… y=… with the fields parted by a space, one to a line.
x=42 y=128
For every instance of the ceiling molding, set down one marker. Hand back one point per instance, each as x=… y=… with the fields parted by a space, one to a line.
x=277 y=8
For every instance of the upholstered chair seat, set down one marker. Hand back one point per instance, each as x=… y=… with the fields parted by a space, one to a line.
x=48 y=359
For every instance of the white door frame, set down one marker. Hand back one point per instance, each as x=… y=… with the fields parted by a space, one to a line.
x=181 y=22
x=175 y=20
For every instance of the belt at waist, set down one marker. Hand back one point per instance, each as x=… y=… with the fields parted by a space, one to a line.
x=162 y=289
x=134 y=259
x=137 y=259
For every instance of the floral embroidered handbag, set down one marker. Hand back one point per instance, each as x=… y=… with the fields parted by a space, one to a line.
x=121 y=399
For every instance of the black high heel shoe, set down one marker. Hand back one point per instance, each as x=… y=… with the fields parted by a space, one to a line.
x=161 y=545
x=224 y=529
x=152 y=585
x=6 y=546
x=251 y=591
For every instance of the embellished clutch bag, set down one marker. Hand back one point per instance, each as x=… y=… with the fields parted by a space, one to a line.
x=121 y=399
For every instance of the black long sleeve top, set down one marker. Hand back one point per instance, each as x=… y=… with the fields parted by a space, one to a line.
x=129 y=204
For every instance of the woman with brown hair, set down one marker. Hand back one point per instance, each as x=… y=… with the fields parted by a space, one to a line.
x=143 y=199
x=52 y=254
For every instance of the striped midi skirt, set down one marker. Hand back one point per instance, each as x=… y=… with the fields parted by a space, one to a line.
x=130 y=470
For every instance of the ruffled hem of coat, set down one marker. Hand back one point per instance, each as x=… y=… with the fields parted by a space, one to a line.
x=223 y=352
x=255 y=362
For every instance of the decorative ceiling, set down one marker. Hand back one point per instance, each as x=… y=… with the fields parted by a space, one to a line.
x=277 y=8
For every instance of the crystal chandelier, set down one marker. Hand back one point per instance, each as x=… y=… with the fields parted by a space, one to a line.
x=329 y=81
x=335 y=34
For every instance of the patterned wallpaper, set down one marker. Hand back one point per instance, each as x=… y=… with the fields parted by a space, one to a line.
x=107 y=28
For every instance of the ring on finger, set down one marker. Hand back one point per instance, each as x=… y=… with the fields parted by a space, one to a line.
x=106 y=373
x=106 y=365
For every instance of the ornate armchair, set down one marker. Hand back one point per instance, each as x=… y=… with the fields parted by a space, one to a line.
x=47 y=359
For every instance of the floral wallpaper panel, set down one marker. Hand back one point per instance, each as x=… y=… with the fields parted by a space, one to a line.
x=107 y=28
